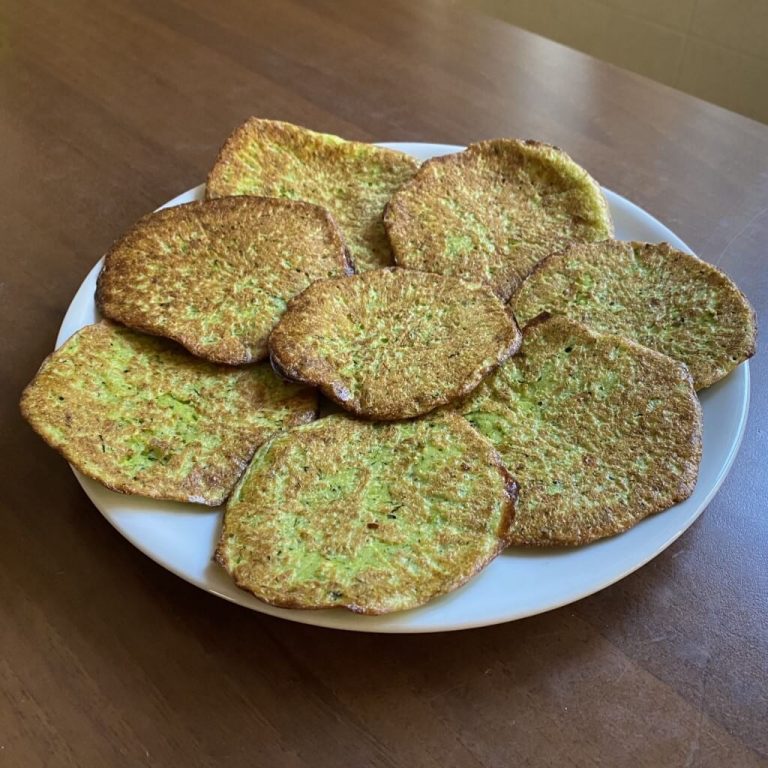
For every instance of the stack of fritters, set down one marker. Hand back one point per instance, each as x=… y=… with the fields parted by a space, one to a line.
x=464 y=434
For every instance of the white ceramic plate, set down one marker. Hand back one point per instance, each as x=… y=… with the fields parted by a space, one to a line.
x=520 y=582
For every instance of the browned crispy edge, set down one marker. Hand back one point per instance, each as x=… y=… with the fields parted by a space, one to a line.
x=146 y=325
x=292 y=374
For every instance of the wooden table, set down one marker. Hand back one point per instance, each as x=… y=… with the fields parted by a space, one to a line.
x=109 y=109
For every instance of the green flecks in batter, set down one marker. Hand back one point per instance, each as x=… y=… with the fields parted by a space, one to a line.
x=393 y=343
x=216 y=276
x=352 y=180
x=140 y=415
x=660 y=297
x=599 y=432
x=379 y=517
x=492 y=212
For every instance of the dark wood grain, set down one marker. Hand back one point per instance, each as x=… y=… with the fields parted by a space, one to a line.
x=107 y=110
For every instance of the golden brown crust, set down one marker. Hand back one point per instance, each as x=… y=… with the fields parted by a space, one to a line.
x=141 y=416
x=215 y=276
x=393 y=344
x=491 y=212
x=353 y=180
x=654 y=294
x=599 y=431
x=370 y=517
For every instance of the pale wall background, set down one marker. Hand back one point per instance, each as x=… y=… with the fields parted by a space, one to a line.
x=714 y=49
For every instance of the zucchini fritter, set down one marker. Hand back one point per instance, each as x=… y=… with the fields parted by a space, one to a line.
x=599 y=431
x=394 y=343
x=216 y=276
x=370 y=517
x=655 y=295
x=493 y=211
x=353 y=180
x=142 y=416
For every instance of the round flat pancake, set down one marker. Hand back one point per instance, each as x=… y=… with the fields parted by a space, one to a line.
x=216 y=276
x=370 y=517
x=493 y=211
x=351 y=179
x=660 y=297
x=393 y=343
x=599 y=432
x=142 y=416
